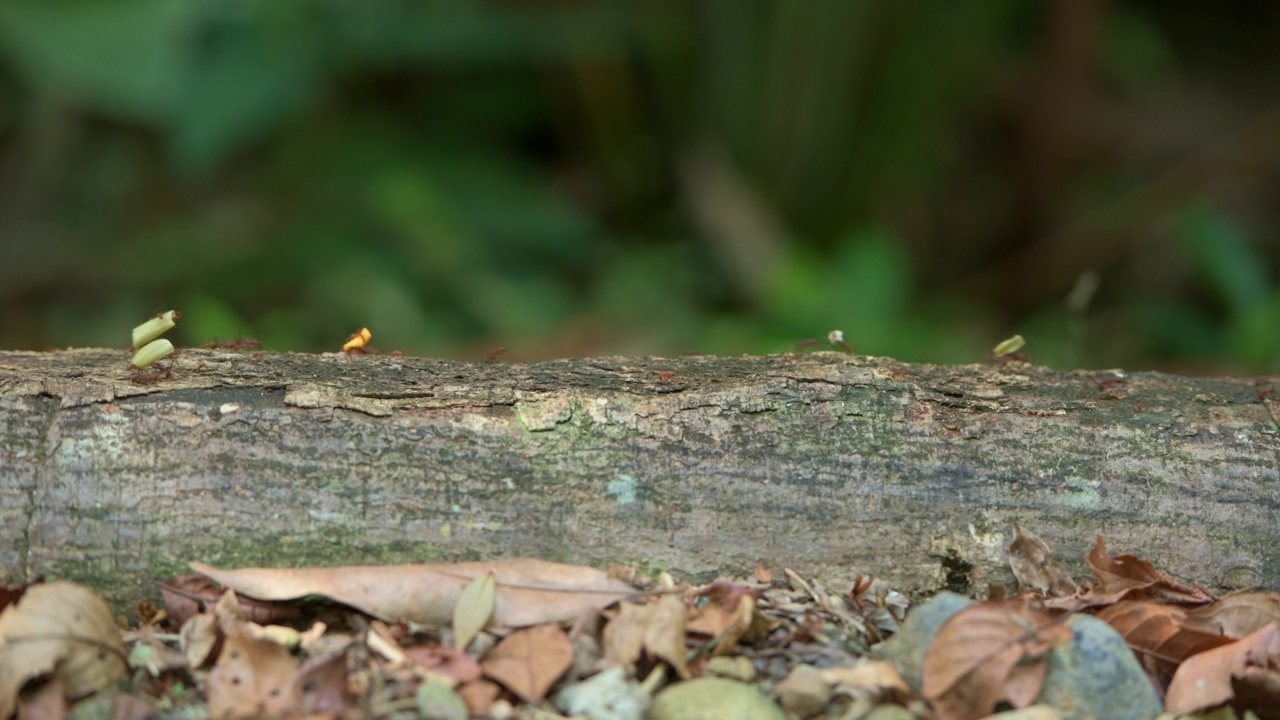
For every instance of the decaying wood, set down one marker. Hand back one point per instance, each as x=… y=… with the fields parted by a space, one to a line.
x=827 y=463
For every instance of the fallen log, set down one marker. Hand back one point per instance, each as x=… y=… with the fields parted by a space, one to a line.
x=827 y=463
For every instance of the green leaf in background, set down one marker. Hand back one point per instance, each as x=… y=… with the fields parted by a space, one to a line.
x=126 y=58
x=259 y=64
x=1235 y=274
x=1229 y=267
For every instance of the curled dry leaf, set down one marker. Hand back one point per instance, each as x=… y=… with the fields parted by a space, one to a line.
x=1033 y=564
x=529 y=592
x=1130 y=577
x=61 y=630
x=199 y=639
x=726 y=616
x=321 y=684
x=1159 y=633
x=868 y=680
x=445 y=660
x=658 y=627
x=186 y=595
x=989 y=652
x=528 y=662
x=1237 y=614
x=1243 y=670
x=252 y=678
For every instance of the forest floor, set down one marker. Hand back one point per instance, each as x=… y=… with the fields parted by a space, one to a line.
x=531 y=639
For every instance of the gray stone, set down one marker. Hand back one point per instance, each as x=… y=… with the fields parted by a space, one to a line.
x=1097 y=676
x=906 y=648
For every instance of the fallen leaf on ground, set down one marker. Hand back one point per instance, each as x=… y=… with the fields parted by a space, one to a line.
x=657 y=627
x=188 y=595
x=445 y=660
x=868 y=680
x=1127 y=576
x=61 y=630
x=1159 y=634
x=199 y=639
x=726 y=616
x=529 y=591
x=48 y=701
x=479 y=695
x=252 y=678
x=321 y=683
x=988 y=652
x=473 y=610
x=528 y=662
x=1237 y=614
x=1244 y=671
x=1033 y=564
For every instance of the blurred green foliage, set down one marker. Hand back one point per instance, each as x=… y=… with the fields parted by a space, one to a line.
x=643 y=176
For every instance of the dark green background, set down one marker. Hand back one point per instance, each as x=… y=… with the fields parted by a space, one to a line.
x=647 y=176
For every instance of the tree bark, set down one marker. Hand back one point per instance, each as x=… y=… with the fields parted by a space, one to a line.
x=827 y=463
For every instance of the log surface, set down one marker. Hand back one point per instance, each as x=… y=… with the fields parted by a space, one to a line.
x=826 y=463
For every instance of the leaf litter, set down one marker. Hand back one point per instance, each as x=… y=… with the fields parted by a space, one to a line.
x=527 y=638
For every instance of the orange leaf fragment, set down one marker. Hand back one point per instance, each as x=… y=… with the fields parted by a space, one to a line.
x=529 y=661
x=989 y=652
x=357 y=340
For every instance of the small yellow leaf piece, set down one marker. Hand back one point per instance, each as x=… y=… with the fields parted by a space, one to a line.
x=1012 y=345
x=358 y=340
x=154 y=328
x=473 y=609
x=151 y=352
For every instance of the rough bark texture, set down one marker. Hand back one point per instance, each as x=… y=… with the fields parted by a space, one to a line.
x=827 y=463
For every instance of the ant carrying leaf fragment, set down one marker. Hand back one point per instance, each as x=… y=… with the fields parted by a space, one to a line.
x=357 y=343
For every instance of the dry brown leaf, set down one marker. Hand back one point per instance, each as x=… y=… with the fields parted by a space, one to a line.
x=63 y=630
x=445 y=660
x=252 y=678
x=528 y=662
x=1237 y=614
x=868 y=680
x=1033 y=564
x=228 y=613
x=529 y=592
x=1243 y=671
x=187 y=595
x=1159 y=634
x=320 y=685
x=473 y=610
x=727 y=615
x=479 y=695
x=988 y=652
x=47 y=701
x=658 y=627
x=1130 y=577
x=199 y=639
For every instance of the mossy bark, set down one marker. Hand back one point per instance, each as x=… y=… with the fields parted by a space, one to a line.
x=827 y=463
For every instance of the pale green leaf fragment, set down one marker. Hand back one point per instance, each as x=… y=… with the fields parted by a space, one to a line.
x=473 y=609
x=151 y=352
x=1011 y=345
x=154 y=328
